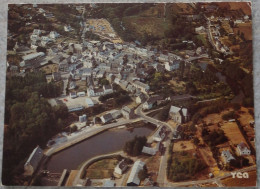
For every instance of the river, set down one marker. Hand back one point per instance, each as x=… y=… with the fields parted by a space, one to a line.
x=106 y=142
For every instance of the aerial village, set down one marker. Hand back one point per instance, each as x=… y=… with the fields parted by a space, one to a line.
x=108 y=84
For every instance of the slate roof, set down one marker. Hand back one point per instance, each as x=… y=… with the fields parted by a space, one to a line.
x=133 y=177
x=35 y=157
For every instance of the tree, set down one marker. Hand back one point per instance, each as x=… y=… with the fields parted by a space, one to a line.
x=135 y=146
x=74 y=129
x=195 y=140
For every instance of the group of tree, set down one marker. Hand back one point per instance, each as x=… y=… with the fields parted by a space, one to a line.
x=184 y=166
x=30 y=121
x=134 y=147
x=200 y=110
x=214 y=138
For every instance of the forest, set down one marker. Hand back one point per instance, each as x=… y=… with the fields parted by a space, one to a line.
x=29 y=120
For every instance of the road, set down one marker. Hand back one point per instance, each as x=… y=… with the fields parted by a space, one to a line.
x=162 y=177
x=86 y=134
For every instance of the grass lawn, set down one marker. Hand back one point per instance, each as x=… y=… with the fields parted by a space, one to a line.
x=101 y=169
x=251 y=181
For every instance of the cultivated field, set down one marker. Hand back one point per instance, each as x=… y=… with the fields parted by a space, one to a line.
x=246 y=28
x=236 y=6
x=232 y=131
x=183 y=146
x=241 y=182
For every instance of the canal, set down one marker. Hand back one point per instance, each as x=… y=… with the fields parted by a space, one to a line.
x=106 y=142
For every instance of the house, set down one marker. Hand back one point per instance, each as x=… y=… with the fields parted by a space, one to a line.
x=73 y=95
x=133 y=179
x=82 y=118
x=56 y=76
x=94 y=92
x=88 y=64
x=128 y=113
x=64 y=66
x=176 y=133
x=34 y=37
x=106 y=118
x=123 y=84
x=227 y=156
x=242 y=149
x=160 y=134
x=81 y=94
x=31 y=58
x=141 y=98
x=200 y=50
x=54 y=35
x=107 y=89
x=33 y=161
x=116 y=113
x=101 y=74
x=72 y=85
x=200 y=30
x=160 y=68
x=67 y=28
x=89 y=102
x=75 y=108
x=179 y=115
x=130 y=88
x=121 y=167
x=142 y=86
x=151 y=102
x=149 y=151
x=163 y=58
x=170 y=66
x=37 y=32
